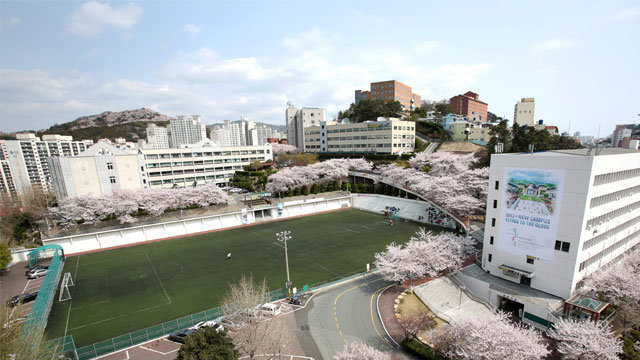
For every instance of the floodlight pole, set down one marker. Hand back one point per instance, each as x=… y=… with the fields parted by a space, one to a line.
x=284 y=236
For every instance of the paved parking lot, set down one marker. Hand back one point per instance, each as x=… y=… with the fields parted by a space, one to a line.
x=16 y=282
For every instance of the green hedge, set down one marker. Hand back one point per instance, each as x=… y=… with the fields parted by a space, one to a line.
x=421 y=351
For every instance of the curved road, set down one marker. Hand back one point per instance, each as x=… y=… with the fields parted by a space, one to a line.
x=342 y=314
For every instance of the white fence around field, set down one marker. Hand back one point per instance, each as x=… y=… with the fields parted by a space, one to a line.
x=131 y=235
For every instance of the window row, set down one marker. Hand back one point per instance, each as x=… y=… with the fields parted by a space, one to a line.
x=189 y=179
x=193 y=171
x=595 y=258
x=611 y=232
x=612 y=215
x=200 y=162
x=614 y=196
x=616 y=176
x=199 y=154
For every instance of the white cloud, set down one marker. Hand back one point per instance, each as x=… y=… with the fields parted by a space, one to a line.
x=312 y=71
x=628 y=14
x=91 y=53
x=553 y=44
x=427 y=46
x=192 y=30
x=94 y=18
x=359 y=15
x=12 y=21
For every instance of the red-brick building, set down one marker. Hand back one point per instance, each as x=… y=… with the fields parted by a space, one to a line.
x=469 y=106
x=391 y=90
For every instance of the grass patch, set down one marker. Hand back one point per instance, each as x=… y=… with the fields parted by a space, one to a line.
x=123 y=290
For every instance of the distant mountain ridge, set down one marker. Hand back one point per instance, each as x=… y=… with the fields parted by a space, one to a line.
x=110 y=118
x=128 y=124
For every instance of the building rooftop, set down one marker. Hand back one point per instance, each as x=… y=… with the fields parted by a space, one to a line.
x=582 y=152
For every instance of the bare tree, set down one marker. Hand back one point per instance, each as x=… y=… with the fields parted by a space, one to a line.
x=252 y=333
x=19 y=341
x=415 y=324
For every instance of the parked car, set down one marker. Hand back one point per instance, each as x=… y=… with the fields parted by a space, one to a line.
x=230 y=323
x=235 y=190
x=211 y=323
x=36 y=268
x=270 y=309
x=180 y=335
x=22 y=298
x=37 y=273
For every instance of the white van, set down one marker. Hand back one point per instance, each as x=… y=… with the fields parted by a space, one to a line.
x=270 y=309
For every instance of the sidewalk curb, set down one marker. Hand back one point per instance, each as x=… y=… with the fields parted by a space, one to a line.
x=380 y=317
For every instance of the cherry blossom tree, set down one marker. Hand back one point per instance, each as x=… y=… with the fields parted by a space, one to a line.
x=426 y=254
x=617 y=282
x=360 y=351
x=586 y=340
x=283 y=148
x=491 y=337
x=121 y=205
x=330 y=170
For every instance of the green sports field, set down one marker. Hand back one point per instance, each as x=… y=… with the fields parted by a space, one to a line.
x=127 y=289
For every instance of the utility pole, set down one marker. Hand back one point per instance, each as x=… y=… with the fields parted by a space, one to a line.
x=283 y=236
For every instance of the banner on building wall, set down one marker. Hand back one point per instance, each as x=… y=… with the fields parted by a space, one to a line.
x=245 y=217
x=529 y=212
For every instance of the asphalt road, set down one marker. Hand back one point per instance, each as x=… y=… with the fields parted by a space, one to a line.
x=345 y=313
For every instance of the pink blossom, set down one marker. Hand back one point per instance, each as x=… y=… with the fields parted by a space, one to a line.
x=586 y=340
x=283 y=148
x=360 y=351
x=492 y=337
x=618 y=280
x=426 y=254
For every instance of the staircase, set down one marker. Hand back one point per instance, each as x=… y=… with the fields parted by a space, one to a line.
x=448 y=301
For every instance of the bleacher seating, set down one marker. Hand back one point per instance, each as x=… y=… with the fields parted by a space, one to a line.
x=414 y=210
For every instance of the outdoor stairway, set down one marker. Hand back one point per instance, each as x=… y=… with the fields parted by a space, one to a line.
x=445 y=298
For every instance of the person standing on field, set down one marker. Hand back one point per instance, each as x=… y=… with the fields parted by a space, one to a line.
x=229 y=255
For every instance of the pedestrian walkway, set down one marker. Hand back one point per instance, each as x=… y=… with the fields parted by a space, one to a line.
x=448 y=301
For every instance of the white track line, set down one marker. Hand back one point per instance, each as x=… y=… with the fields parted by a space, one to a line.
x=96 y=303
x=75 y=275
x=121 y=257
x=158 y=277
x=116 y=317
x=357 y=232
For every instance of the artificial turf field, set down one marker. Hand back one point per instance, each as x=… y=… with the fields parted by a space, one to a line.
x=127 y=289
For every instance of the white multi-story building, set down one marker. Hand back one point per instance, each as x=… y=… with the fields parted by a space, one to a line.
x=99 y=170
x=229 y=134
x=23 y=161
x=524 y=112
x=299 y=119
x=390 y=136
x=185 y=131
x=157 y=137
x=555 y=217
x=204 y=162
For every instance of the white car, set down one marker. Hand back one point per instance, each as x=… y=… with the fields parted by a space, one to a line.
x=270 y=309
x=37 y=273
x=210 y=323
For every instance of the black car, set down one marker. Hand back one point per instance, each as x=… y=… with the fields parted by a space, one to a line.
x=178 y=336
x=22 y=298
x=37 y=267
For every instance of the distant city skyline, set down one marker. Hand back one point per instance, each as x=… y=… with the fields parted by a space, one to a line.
x=60 y=60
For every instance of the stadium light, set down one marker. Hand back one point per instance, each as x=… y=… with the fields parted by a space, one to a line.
x=283 y=236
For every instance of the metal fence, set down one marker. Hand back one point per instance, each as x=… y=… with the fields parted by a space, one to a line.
x=153 y=332
x=64 y=346
x=40 y=310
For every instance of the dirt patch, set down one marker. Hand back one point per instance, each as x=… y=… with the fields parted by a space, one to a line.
x=410 y=305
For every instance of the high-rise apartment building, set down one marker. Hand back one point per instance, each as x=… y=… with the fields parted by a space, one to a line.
x=99 y=170
x=157 y=137
x=23 y=161
x=185 y=131
x=297 y=120
x=391 y=90
x=230 y=133
x=524 y=112
x=469 y=106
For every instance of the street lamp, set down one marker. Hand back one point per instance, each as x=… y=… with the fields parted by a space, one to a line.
x=462 y=288
x=283 y=236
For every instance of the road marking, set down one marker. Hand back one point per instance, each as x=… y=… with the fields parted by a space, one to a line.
x=159 y=352
x=372 y=321
x=335 y=302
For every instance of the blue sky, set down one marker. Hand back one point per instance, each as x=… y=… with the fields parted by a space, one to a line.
x=63 y=59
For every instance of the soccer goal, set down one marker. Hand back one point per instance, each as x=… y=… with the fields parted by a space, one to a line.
x=65 y=293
